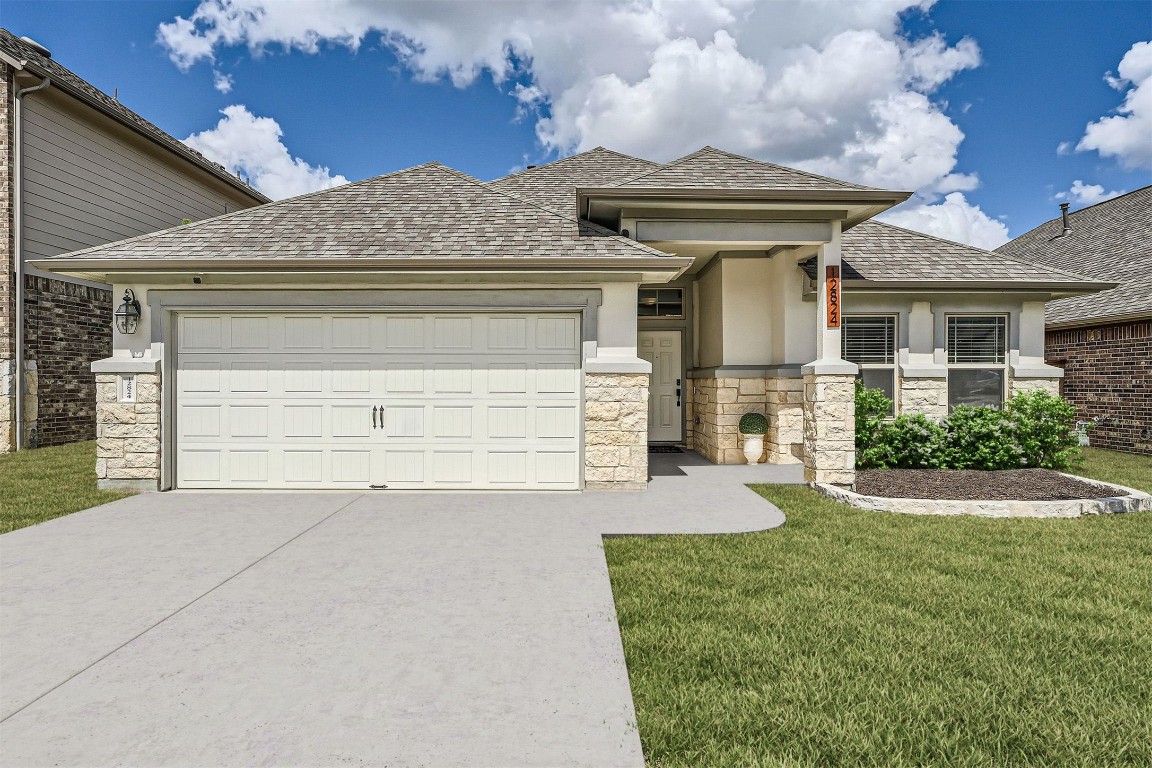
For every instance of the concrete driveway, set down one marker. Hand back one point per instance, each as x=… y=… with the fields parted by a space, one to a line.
x=325 y=629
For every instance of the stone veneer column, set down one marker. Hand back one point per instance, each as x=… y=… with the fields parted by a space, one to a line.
x=924 y=394
x=785 y=396
x=128 y=447
x=615 y=431
x=829 y=428
x=1031 y=384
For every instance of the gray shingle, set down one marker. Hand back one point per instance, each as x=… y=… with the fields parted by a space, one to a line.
x=68 y=80
x=554 y=185
x=429 y=211
x=711 y=168
x=873 y=250
x=1110 y=241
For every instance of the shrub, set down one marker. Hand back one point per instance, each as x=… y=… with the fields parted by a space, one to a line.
x=1046 y=427
x=754 y=424
x=907 y=442
x=981 y=438
x=872 y=409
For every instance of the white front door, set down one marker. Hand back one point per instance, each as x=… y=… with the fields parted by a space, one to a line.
x=354 y=400
x=665 y=409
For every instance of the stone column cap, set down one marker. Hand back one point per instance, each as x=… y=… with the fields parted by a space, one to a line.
x=1037 y=371
x=830 y=367
x=126 y=365
x=923 y=371
x=617 y=365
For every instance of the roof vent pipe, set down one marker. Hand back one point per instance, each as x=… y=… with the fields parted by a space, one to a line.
x=1067 y=224
x=37 y=47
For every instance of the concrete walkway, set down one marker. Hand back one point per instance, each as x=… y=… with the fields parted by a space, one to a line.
x=322 y=629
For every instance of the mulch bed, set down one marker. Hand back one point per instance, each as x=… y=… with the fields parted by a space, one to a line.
x=975 y=485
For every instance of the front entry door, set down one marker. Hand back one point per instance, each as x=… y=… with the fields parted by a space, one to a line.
x=665 y=401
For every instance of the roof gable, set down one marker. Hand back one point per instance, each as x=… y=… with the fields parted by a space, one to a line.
x=428 y=212
x=711 y=168
x=554 y=185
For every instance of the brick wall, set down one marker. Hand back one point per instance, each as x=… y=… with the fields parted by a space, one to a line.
x=1108 y=376
x=67 y=327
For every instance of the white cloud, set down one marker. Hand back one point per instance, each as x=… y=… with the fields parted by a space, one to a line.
x=221 y=81
x=251 y=146
x=1087 y=194
x=1127 y=135
x=953 y=219
x=828 y=86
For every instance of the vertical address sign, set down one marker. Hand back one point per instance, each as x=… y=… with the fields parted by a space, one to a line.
x=832 y=275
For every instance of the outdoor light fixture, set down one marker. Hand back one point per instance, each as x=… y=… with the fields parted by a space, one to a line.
x=128 y=314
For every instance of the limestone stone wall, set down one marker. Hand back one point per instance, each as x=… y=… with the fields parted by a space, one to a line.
x=1020 y=385
x=128 y=434
x=785 y=398
x=718 y=403
x=829 y=429
x=7 y=270
x=928 y=396
x=615 y=431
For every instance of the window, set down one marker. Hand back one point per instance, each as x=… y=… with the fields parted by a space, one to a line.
x=977 y=359
x=662 y=302
x=870 y=342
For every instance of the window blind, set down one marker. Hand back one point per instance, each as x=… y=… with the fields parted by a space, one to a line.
x=867 y=339
x=973 y=339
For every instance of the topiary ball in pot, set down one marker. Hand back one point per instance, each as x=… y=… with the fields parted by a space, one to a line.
x=753 y=426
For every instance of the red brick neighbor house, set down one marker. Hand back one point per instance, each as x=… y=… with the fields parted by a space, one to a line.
x=77 y=169
x=1104 y=341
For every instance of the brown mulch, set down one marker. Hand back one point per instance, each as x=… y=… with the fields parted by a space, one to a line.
x=975 y=485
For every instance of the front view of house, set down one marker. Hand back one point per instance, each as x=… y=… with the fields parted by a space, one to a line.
x=426 y=330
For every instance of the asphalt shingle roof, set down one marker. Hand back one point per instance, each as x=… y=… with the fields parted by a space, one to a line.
x=428 y=211
x=711 y=168
x=554 y=185
x=63 y=77
x=873 y=250
x=1110 y=241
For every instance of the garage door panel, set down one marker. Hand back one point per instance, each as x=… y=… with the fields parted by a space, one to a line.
x=461 y=401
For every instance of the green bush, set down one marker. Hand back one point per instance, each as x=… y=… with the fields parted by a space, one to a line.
x=754 y=424
x=1034 y=429
x=1046 y=427
x=980 y=438
x=913 y=441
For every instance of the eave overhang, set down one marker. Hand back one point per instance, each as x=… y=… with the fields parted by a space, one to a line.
x=1056 y=288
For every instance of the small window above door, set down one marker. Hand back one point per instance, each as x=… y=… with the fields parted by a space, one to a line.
x=660 y=302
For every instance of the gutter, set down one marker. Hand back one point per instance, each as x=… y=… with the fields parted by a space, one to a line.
x=208 y=265
x=18 y=245
x=1022 y=286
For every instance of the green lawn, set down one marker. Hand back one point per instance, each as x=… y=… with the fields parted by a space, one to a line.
x=866 y=638
x=41 y=484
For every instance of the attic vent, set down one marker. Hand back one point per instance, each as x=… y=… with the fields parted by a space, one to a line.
x=37 y=47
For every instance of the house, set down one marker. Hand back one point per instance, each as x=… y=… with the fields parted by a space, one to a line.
x=425 y=329
x=1103 y=342
x=77 y=168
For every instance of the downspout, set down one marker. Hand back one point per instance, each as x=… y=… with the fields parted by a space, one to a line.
x=18 y=247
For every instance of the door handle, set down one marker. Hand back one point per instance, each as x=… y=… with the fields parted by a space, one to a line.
x=373 y=417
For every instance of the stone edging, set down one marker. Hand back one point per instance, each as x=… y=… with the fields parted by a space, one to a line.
x=1126 y=500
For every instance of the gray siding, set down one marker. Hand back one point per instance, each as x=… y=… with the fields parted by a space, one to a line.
x=88 y=181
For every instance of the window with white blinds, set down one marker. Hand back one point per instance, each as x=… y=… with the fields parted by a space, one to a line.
x=868 y=339
x=979 y=339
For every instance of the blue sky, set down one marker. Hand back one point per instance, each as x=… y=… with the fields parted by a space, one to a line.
x=877 y=92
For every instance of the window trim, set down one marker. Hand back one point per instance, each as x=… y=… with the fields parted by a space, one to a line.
x=1001 y=366
x=657 y=304
x=894 y=366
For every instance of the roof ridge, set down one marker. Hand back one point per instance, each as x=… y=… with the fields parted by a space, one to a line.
x=487 y=187
x=998 y=255
x=661 y=167
x=1078 y=211
x=256 y=208
x=558 y=161
x=708 y=148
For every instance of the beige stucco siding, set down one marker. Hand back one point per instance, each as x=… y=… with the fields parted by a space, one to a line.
x=88 y=181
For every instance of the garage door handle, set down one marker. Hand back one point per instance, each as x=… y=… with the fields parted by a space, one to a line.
x=373 y=417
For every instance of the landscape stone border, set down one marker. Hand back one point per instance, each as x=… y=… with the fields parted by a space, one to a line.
x=1126 y=500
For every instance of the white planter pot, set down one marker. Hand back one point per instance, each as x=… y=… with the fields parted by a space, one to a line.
x=753 y=448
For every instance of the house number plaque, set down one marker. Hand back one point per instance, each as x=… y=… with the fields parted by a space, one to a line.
x=128 y=389
x=832 y=274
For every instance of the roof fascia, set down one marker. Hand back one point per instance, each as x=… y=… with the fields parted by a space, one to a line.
x=1069 y=288
x=1088 y=322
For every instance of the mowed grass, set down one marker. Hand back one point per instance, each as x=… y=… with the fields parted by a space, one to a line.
x=44 y=483
x=850 y=638
x=1115 y=467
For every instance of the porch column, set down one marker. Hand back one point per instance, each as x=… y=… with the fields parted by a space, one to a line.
x=829 y=383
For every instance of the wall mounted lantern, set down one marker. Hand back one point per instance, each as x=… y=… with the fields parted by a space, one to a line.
x=127 y=315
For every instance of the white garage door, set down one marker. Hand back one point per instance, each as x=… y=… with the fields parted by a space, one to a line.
x=332 y=400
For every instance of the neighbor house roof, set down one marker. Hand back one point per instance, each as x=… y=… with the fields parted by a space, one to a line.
x=1109 y=241
x=425 y=212
x=884 y=253
x=711 y=168
x=28 y=58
